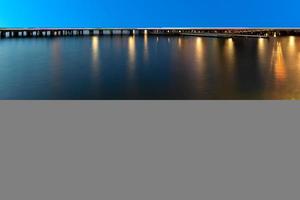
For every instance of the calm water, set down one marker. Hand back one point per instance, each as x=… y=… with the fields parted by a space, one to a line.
x=139 y=67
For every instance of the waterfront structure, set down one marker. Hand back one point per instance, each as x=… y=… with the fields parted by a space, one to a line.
x=204 y=32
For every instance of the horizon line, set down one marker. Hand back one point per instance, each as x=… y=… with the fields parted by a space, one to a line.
x=149 y=28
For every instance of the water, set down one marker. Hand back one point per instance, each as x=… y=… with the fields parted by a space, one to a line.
x=150 y=67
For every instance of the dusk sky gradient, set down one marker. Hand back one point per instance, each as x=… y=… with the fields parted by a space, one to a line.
x=155 y=13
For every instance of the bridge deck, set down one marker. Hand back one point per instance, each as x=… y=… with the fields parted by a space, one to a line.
x=208 y=32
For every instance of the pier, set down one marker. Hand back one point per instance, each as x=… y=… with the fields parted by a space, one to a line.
x=203 y=32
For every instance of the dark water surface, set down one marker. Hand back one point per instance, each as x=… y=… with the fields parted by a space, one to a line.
x=150 y=67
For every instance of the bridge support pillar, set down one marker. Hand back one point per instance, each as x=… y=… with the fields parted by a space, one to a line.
x=15 y=33
x=91 y=32
x=51 y=33
x=132 y=32
x=3 y=34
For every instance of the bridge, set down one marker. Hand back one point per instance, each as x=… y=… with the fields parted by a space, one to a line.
x=204 y=32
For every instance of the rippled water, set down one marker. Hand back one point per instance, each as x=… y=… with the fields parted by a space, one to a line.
x=150 y=67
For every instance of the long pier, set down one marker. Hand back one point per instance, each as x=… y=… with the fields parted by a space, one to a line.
x=204 y=32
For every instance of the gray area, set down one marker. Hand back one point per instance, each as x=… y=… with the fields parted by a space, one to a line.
x=149 y=150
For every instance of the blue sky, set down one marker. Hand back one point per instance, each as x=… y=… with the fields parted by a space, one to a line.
x=154 y=13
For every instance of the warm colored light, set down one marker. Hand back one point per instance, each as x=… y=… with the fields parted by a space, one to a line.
x=292 y=41
x=199 y=50
x=95 y=44
x=261 y=50
x=131 y=52
x=146 y=48
x=279 y=64
x=199 y=41
x=95 y=53
x=261 y=44
x=292 y=46
x=145 y=32
x=229 y=51
x=230 y=41
x=179 y=42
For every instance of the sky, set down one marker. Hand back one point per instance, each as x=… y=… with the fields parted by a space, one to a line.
x=154 y=13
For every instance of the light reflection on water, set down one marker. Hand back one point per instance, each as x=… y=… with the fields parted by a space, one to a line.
x=146 y=48
x=261 y=50
x=95 y=56
x=278 y=64
x=131 y=54
x=230 y=53
x=177 y=68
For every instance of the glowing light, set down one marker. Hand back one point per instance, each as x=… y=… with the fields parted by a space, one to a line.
x=179 y=42
x=95 y=44
x=260 y=41
x=292 y=41
x=261 y=47
x=230 y=43
x=145 y=32
x=95 y=55
x=279 y=64
x=292 y=51
x=261 y=44
x=199 y=41
x=131 y=52
x=199 y=51
x=95 y=48
x=146 y=48
x=229 y=51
